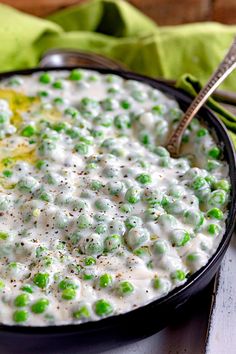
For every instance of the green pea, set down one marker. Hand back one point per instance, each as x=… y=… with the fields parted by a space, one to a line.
x=153 y=198
x=158 y=109
x=46 y=147
x=215 y=213
x=2 y=284
x=81 y=313
x=161 y=129
x=58 y=85
x=27 y=288
x=89 y=261
x=125 y=288
x=144 y=138
x=126 y=208
x=74 y=237
x=132 y=195
x=161 y=284
x=20 y=316
x=122 y=121
x=214 y=152
x=61 y=220
x=125 y=104
x=202 y=132
x=112 y=243
x=194 y=217
x=213 y=229
x=139 y=96
x=72 y=112
x=27 y=184
x=178 y=275
x=175 y=113
x=45 y=78
x=96 y=185
x=88 y=106
x=7 y=173
x=222 y=184
x=110 y=172
x=175 y=207
x=180 y=237
x=136 y=237
x=160 y=247
x=103 y=308
x=58 y=100
x=14 y=82
x=104 y=120
x=133 y=221
x=41 y=280
x=217 y=198
x=108 y=143
x=28 y=131
x=97 y=133
x=101 y=229
x=40 y=306
x=43 y=93
x=211 y=180
x=76 y=75
x=40 y=164
x=115 y=188
x=161 y=151
x=67 y=284
x=201 y=187
x=142 y=252
x=74 y=134
x=192 y=257
x=112 y=90
x=21 y=300
x=100 y=217
x=3 y=118
x=83 y=222
x=212 y=165
x=167 y=221
x=110 y=104
x=151 y=214
x=68 y=294
x=102 y=204
x=3 y=235
x=164 y=161
x=144 y=178
x=46 y=197
x=199 y=182
x=92 y=245
x=88 y=277
x=105 y=280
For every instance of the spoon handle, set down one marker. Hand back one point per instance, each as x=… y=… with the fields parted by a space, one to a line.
x=224 y=69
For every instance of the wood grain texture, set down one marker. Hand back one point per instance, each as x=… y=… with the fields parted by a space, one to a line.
x=164 y=12
x=40 y=8
x=222 y=330
x=172 y=12
x=224 y=11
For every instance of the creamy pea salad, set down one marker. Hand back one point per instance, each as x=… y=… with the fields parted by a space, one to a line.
x=96 y=218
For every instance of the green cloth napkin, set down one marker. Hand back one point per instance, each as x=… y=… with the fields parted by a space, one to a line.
x=116 y=29
x=191 y=85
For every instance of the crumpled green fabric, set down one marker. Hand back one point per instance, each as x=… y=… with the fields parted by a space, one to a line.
x=191 y=85
x=116 y=29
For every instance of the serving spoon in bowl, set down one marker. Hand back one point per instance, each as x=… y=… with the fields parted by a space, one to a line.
x=227 y=65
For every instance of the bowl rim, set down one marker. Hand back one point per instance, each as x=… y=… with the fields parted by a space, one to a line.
x=181 y=96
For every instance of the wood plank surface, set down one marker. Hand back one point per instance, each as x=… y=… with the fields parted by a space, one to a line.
x=164 y=12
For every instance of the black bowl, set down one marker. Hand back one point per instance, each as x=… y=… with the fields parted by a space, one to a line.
x=147 y=319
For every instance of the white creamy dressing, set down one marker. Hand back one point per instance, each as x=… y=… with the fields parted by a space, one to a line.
x=95 y=173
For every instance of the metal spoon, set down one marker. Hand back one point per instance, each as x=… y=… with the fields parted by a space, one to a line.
x=227 y=65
